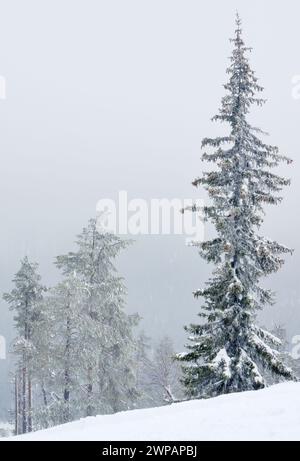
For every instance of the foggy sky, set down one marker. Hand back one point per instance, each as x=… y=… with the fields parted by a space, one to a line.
x=103 y=96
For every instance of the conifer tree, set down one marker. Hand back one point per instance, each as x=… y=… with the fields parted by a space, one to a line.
x=107 y=343
x=25 y=300
x=59 y=354
x=227 y=351
x=86 y=350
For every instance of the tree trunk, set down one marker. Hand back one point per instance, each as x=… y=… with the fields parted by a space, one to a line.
x=66 y=415
x=29 y=403
x=89 y=410
x=24 y=374
x=16 y=404
x=19 y=401
x=44 y=396
x=23 y=398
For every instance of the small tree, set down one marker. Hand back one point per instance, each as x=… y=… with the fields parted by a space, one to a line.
x=228 y=352
x=165 y=372
x=286 y=349
x=158 y=373
x=25 y=300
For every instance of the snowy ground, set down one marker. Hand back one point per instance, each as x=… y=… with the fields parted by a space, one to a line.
x=269 y=414
x=6 y=429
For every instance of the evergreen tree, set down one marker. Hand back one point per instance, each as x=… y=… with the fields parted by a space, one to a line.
x=25 y=299
x=60 y=357
x=107 y=344
x=228 y=352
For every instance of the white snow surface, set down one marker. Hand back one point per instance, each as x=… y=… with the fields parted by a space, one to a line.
x=268 y=414
x=6 y=429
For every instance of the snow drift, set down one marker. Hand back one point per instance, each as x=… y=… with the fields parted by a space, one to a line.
x=268 y=414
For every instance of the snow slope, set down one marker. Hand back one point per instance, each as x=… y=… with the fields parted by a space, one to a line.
x=269 y=414
x=6 y=429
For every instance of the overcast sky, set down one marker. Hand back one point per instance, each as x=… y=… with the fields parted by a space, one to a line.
x=103 y=96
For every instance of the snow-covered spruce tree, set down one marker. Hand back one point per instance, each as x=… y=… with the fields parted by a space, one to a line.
x=60 y=355
x=228 y=352
x=25 y=300
x=106 y=337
